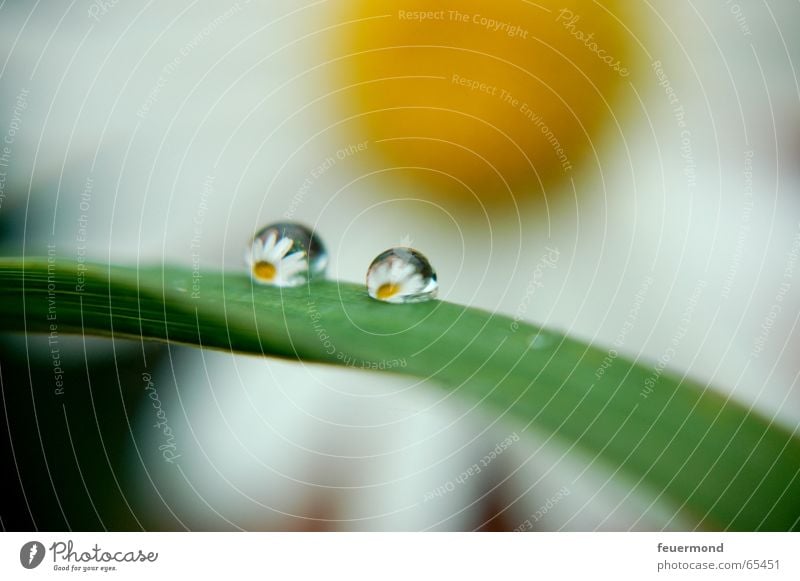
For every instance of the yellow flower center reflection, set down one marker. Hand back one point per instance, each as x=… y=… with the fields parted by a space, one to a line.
x=264 y=271
x=387 y=291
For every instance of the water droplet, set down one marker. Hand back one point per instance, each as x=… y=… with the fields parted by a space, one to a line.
x=542 y=340
x=286 y=254
x=401 y=275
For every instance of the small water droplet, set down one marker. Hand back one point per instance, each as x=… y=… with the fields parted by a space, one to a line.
x=401 y=275
x=286 y=254
x=541 y=340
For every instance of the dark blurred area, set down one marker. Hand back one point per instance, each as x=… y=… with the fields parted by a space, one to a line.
x=64 y=428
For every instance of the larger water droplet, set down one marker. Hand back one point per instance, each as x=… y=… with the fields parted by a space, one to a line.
x=401 y=275
x=286 y=254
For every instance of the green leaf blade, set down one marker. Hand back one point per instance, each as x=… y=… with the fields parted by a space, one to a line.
x=727 y=466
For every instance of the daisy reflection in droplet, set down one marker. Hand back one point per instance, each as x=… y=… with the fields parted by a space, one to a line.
x=285 y=255
x=401 y=275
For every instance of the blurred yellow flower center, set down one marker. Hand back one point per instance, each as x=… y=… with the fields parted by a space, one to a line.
x=387 y=291
x=264 y=271
x=481 y=99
